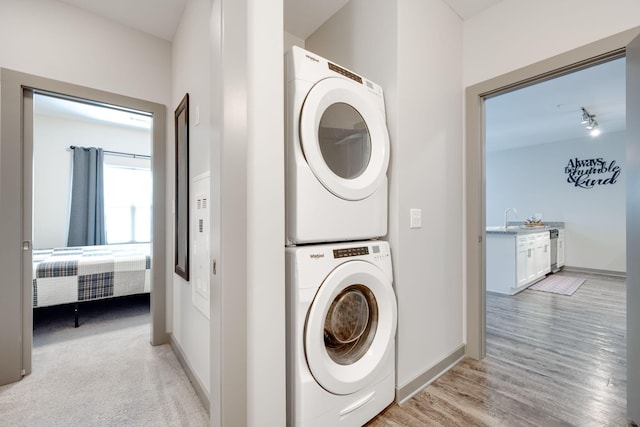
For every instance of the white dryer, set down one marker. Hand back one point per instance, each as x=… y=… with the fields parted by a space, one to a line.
x=341 y=325
x=337 y=153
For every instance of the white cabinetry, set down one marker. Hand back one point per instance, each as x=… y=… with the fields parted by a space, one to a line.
x=542 y=256
x=522 y=260
x=515 y=261
x=560 y=259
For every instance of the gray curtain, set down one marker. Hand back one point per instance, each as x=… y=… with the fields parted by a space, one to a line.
x=86 y=218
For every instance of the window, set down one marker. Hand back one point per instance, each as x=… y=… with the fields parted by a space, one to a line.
x=127 y=200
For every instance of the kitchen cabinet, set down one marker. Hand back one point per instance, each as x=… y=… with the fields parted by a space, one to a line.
x=560 y=259
x=522 y=261
x=542 y=255
x=516 y=260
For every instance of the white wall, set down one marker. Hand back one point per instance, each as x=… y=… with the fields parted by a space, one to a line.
x=413 y=49
x=428 y=174
x=191 y=74
x=513 y=34
x=52 y=137
x=55 y=40
x=266 y=353
x=533 y=180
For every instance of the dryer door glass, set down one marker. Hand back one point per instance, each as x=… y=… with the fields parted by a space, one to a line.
x=350 y=324
x=344 y=140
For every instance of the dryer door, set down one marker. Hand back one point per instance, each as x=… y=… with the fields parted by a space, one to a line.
x=344 y=138
x=350 y=327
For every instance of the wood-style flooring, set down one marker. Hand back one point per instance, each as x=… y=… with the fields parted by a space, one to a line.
x=552 y=360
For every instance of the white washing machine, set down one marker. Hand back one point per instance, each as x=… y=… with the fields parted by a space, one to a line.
x=337 y=153
x=341 y=325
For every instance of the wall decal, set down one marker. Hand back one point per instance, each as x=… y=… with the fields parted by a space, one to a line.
x=587 y=173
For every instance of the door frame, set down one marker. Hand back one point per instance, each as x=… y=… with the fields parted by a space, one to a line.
x=600 y=51
x=16 y=147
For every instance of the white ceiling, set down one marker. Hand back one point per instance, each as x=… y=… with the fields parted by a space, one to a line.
x=156 y=17
x=550 y=111
x=301 y=17
x=466 y=9
x=53 y=106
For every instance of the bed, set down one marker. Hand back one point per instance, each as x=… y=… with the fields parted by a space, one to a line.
x=87 y=273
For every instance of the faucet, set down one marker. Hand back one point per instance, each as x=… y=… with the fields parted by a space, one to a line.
x=506 y=214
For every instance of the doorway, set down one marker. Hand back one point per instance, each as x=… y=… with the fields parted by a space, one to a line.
x=581 y=58
x=90 y=243
x=601 y=51
x=16 y=228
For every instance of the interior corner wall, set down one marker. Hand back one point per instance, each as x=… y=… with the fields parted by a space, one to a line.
x=513 y=34
x=291 y=40
x=595 y=218
x=191 y=74
x=428 y=174
x=413 y=49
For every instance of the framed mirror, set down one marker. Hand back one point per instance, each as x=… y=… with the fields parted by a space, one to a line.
x=181 y=226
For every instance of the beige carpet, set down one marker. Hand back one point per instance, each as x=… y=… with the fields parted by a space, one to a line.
x=101 y=374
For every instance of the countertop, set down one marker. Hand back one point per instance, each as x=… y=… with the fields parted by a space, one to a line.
x=519 y=228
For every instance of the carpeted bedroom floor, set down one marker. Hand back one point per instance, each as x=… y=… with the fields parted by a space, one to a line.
x=104 y=373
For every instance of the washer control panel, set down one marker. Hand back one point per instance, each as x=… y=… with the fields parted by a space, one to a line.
x=349 y=252
x=377 y=252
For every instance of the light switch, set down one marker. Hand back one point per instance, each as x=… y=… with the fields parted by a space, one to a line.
x=415 y=218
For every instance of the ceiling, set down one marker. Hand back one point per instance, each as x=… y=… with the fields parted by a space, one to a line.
x=301 y=17
x=156 y=17
x=551 y=111
x=53 y=106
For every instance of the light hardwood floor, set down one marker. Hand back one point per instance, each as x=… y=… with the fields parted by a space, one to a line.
x=552 y=360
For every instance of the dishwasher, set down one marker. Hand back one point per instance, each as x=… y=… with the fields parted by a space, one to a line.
x=553 y=235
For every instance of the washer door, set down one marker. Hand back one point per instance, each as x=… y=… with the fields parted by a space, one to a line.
x=344 y=138
x=350 y=327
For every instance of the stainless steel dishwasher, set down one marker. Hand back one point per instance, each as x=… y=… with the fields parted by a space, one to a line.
x=553 y=235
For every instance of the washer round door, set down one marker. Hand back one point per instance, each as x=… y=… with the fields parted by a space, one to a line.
x=350 y=327
x=344 y=138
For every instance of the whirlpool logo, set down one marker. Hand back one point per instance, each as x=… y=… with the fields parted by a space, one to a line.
x=312 y=58
x=316 y=256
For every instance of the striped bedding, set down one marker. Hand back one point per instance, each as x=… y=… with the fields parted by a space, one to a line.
x=84 y=273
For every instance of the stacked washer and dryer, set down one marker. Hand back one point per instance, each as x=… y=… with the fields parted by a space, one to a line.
x=341 y=306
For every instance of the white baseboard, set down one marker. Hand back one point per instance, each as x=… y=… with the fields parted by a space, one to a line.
x=606 y=273
x=201 y=392
x=414 y=386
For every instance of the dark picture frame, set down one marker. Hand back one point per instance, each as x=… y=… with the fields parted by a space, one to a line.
x=181 y=226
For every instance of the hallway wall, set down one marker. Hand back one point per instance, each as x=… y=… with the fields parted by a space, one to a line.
x=55 y=40
x=412 y=48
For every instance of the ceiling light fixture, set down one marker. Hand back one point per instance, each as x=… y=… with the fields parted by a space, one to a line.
x=590 y=121
x=585 y=117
